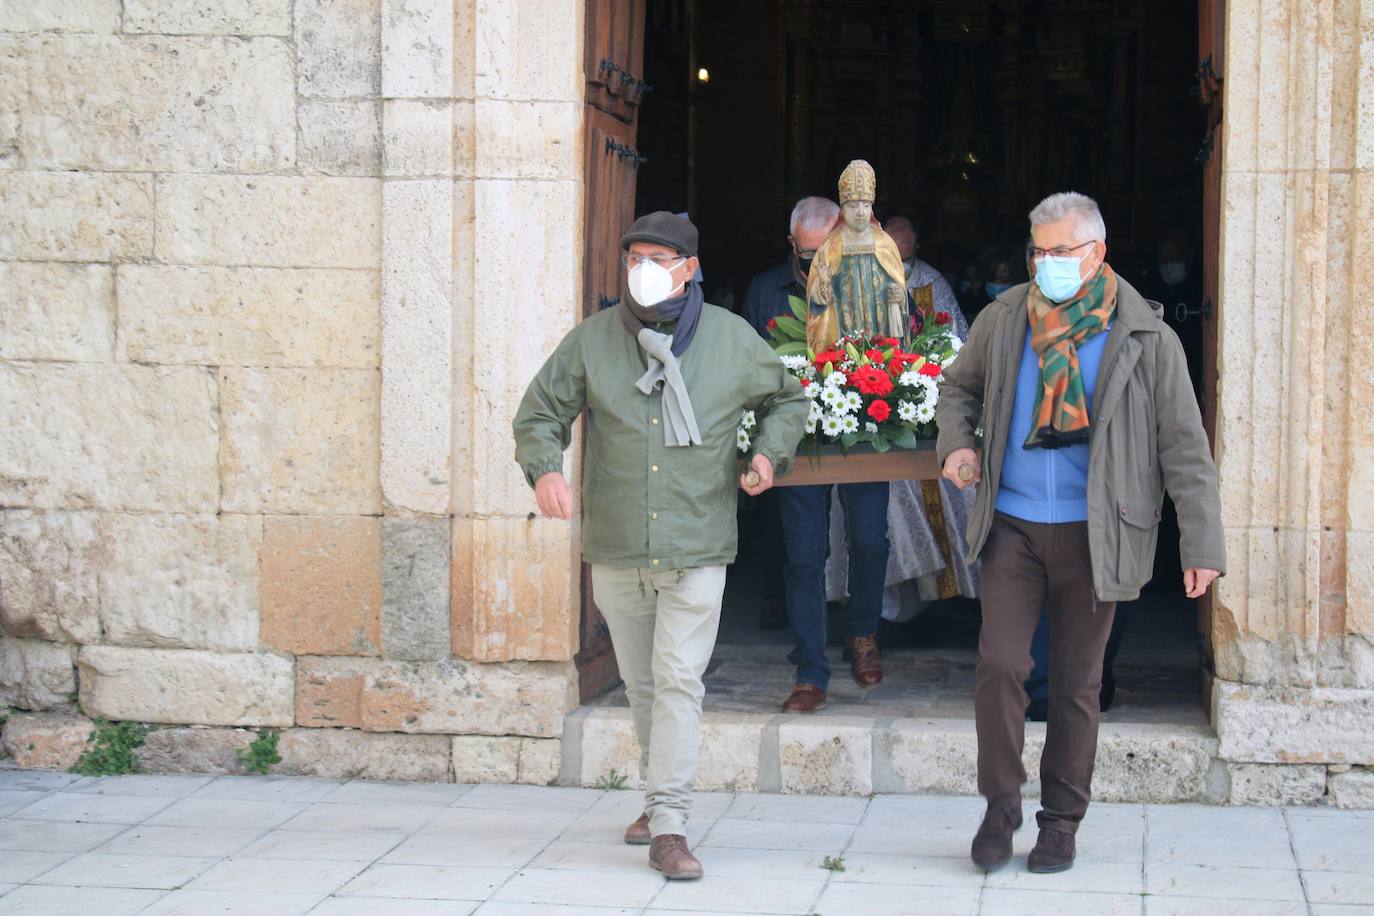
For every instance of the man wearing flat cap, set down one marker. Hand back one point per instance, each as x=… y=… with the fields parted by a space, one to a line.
x=664 y=379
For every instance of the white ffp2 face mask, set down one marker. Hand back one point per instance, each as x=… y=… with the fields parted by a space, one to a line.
x=650 y=284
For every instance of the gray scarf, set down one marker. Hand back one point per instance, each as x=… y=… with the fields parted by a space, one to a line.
x=680 y=423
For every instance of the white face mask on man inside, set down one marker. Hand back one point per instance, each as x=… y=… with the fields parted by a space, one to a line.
x=650 y=284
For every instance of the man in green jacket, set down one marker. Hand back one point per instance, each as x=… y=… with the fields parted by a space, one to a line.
x=665 y=379
x=1088 y=416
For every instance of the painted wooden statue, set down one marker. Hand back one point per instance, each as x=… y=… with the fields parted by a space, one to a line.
x=856 y=282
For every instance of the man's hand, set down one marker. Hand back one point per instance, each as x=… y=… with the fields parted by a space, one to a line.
x=1195 y=581
x=759 y=478
x=554 y=495
x=963 y=460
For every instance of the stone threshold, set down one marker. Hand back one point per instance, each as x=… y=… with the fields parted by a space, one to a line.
x=855 y=755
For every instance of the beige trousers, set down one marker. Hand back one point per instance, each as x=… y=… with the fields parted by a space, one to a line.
x=663 y=626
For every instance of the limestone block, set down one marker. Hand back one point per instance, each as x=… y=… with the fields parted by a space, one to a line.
x=417 y=48
x=539 y=140
x=198 y=17
x=484 y=759
x=448 y=697
x=269 y=221
x=609 y=743
x=194 y=750
x=731 y=743
x=415 y=589
x=35 y=674
x=939 y=756
x=340 y=137
x=1155 y=764
x=540 y=761
x=826 y=756
x=464 y=149
x=417 y=345
x=1353 y=788
x=417 y=137
x=1359 y=557
x=1293 y=724
x=49 y=568
x=299 y=440
x=1269 y=784
x=123 y=437
x=338 y=47
x=59 y=15
x=46 y=740
x=56 y=311
x=514 y=589
x=183 y=686
x=157 y=104
x=347 y=754
x=522 y=51
x=74 y=216
x=181 y=582
x=249 y=316
x=322 y=585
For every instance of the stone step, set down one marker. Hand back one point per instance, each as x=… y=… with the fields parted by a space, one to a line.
x=853 y=755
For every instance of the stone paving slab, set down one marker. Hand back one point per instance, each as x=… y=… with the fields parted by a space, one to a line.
x=283 y=845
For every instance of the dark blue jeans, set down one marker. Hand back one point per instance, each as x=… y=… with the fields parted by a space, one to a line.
x=806 y=539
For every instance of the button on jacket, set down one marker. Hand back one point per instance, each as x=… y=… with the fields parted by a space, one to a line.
x=645 y=504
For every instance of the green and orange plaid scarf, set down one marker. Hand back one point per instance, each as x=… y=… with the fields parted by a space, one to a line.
x=1057 y=331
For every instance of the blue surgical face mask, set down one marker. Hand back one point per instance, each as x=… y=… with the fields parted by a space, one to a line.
x=1058 y=278
x=995 y=289
x=1173 y=272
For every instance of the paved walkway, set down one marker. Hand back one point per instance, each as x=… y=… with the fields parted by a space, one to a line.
x=197 y=845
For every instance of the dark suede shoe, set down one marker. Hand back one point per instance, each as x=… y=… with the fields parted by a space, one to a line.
x=637 y=834
x=992 y=843
x=1053 y=852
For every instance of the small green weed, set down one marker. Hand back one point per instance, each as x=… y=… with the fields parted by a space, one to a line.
x=833 y=863
x=261 y=754
x=110 y=749
x=612 y=780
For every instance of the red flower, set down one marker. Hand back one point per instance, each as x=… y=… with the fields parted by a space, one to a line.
x=805 y=382
x=880 y=410
x=871 y=380
x=772 y=323
x=943 y=318
x=828 y=356
x=930 y=369
x=874 y=356
x=886 y=342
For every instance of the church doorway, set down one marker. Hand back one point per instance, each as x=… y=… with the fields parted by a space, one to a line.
x=970 y=112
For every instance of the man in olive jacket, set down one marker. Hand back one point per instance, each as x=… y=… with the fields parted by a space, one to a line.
x=664 y=379
x=1088 y=416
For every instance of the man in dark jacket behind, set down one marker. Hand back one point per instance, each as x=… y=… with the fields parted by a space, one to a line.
x=1088 y=416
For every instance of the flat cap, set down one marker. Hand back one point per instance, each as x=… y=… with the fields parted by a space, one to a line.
x=663 y=228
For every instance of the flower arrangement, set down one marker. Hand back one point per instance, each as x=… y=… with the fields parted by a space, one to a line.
x=867 y=389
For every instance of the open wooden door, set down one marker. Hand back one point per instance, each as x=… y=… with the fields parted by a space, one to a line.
x=615 y=86
x=1211 y=66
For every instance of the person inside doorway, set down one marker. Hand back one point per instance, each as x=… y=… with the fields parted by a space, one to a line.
x=930 y=292
x=658 y=499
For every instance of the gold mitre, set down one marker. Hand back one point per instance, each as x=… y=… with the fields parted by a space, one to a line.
x=858 y=182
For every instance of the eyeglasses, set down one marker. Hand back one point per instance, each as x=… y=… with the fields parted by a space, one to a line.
x=662 y=260
x=1062 y=251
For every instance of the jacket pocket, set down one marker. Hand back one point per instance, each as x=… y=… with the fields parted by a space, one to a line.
x=1137 y=535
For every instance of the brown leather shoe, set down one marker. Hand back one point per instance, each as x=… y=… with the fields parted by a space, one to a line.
x=637 y=834
x=992 y=843
x=1054 y=851
x=805 y=698
x=864 y=661
x=670 y=855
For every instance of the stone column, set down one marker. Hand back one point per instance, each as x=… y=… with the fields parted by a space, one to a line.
x=1294 y=616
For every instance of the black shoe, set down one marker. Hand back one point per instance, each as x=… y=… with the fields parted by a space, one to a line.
x=1038 y=711
x=1053 y=852
x=992 y=843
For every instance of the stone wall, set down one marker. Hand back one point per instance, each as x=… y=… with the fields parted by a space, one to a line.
x=255 y=467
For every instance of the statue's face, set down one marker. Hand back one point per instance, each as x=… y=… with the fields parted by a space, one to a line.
x=858 y=214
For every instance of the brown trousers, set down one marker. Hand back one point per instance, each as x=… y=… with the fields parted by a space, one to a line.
x=1029 y=567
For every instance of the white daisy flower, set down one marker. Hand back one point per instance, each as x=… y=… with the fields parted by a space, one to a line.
x=832 y=397
x=831 y=425
x=810 y=425
x=795 y=363
x=909 y=379
x=870 y=428
x=815 y=413
x=956 y=344
x=748 y=421
x=850 y=424
x=836 y=379
x=930 y=387
x=742 y=440
x=853 y=401
x=925 y=412
x=906 y=411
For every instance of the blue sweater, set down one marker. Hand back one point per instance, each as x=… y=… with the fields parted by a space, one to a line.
x=1046 y=484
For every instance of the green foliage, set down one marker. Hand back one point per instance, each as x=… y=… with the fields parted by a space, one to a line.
x=798 y=306
x=110 y=749
x=612 y=780
x=833 y=863
x=261 y=754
